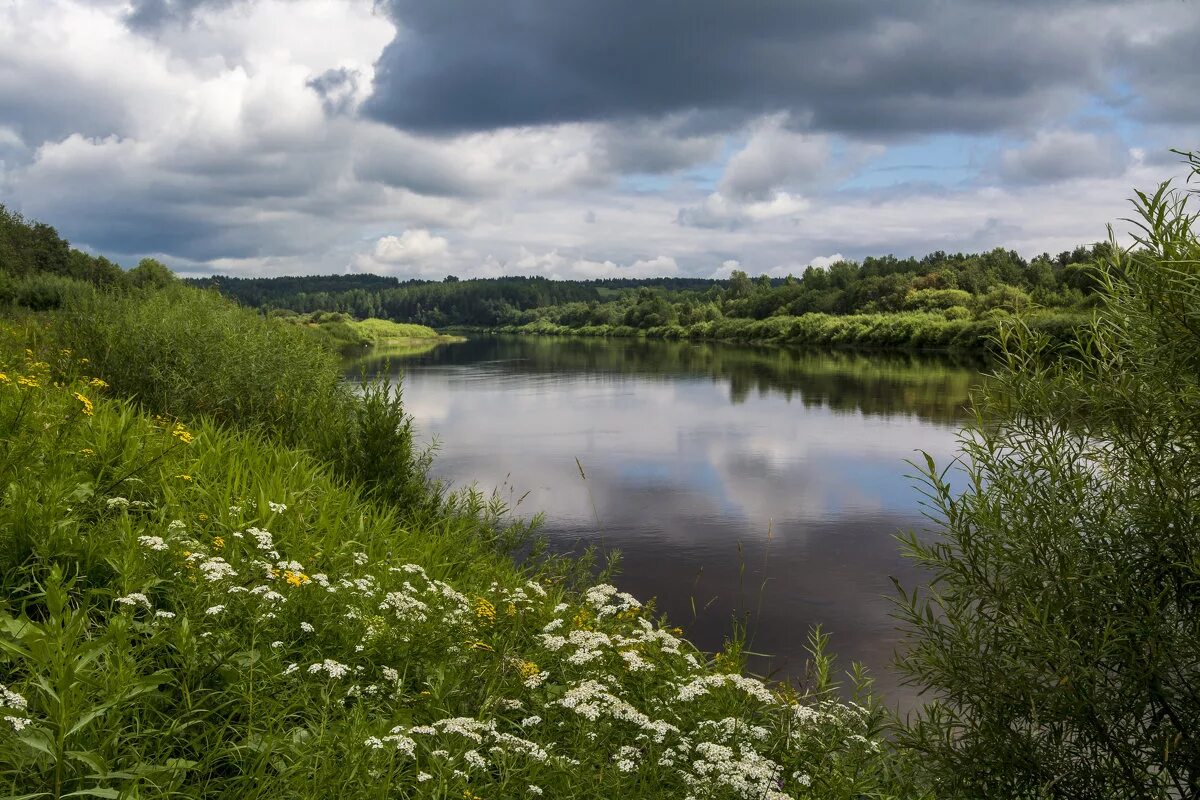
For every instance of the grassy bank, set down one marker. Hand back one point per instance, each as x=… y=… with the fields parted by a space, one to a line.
x=902 y=330
x=199 y=602
x=341 y=331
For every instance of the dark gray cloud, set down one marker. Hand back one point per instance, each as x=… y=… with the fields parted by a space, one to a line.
x=856 y=66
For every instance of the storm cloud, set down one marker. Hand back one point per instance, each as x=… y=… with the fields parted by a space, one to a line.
x=584 y=138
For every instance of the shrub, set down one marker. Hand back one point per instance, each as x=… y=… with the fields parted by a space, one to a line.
x=1061 y=631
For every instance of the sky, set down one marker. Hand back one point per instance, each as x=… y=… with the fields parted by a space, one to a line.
x=586 y=138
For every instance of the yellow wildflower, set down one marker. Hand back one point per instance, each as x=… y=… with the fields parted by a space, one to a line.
x=527 y=669
x=87 y=451
x=511 y=609
x=98 y=383
x=296 y=579
x=28 y=381
x=87 y=404
x=202 y=517
x=484 y=609
x=581 y=619
x=218 y=543
x=64 y=352
x=482 y=646
x=4 y=378
x=181 y=433
x=84 y=361
x=183 y=476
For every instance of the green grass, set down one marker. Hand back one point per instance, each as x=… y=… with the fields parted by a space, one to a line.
x=382 y=329
x=156 y=640
x=909 y=330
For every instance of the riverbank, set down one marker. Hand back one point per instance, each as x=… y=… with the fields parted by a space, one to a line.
x=244 y=580
x=915 y=331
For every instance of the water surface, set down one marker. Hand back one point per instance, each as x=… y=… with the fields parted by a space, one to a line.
x=763 y=484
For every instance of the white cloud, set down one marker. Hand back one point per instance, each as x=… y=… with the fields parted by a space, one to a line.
x=410 y=247
x=823 y=262
x=774 y=157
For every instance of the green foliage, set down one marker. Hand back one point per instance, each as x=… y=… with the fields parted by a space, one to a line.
x=1061 y=633
x=191 y=354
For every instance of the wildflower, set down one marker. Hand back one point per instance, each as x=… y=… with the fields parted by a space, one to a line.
x=117 y=502
x=511 y=609
x=164 y=615
x=28 y=381
x=134 y=599
x=216 y=568
x=276 y=508
x=152 y=542
x=183 y=476
x=306 y=627
x=181 y=433
x=176 y=525
x=484 y=609
x=527 y=669
x=534 y=790
x=4 y=378
x=202 y=517
x=218 y=542
x=423 y=776
x=11 y=700
x=212 y=611
x=96 y=383
x=296 y=579
x=333 y=668
x=529 y=722
x=482 y=646
x=290 y=668
x=87 y=451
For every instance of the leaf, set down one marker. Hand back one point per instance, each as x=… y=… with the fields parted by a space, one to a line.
x=99 y=791
x=89 y=758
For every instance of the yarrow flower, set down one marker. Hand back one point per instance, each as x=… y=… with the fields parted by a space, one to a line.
x=212 y=611
x=134 y=599
x=152 y=542
x=276 y=508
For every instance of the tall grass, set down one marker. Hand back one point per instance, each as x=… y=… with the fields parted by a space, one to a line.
x=188 y=353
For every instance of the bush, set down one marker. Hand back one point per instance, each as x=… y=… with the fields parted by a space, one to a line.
x=1061 y=631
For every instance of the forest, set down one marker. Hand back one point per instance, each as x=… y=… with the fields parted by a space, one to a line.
x=940 y=301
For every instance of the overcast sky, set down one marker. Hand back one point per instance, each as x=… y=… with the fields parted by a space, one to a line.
x=586 y=138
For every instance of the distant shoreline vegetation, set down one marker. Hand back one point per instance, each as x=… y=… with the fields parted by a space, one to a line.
x=939 y=302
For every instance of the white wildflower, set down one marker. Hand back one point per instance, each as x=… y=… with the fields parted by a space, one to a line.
x=332 y=668
x=117 y=502
x=306 y=627
x=212 y=611
x=276 y=508
x=152 y=542
x=164 y=615
x=134 y=599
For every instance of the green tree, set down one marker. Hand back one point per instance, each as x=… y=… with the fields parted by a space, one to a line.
x=1060 y=633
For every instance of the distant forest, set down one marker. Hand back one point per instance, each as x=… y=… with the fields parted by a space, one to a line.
x=958 y=283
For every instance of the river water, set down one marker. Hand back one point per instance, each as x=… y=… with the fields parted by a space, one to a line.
x=759 y=484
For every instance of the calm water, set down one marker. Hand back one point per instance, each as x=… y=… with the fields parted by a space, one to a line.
x=734 y=480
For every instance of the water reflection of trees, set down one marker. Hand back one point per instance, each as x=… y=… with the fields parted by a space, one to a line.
x=932 y=387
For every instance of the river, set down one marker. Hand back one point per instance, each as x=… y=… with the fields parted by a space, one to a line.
x=762 y=484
